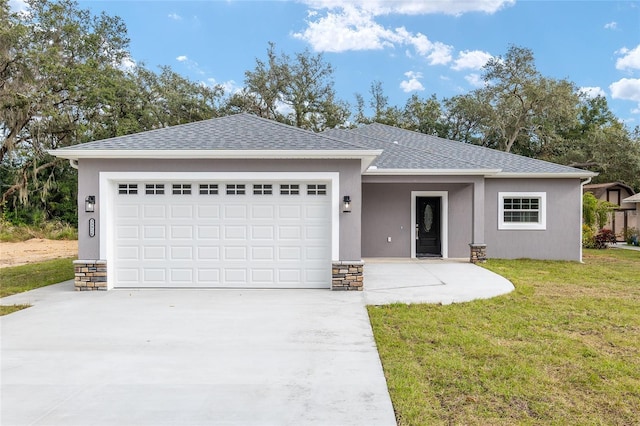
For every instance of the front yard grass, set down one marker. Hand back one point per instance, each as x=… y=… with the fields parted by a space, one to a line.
x=17 y=279
x=563 y=348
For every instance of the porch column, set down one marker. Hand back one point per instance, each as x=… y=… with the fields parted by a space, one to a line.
x=477 y=245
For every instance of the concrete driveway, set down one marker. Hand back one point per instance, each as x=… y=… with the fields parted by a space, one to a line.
x=191 y=357
x=221 y=357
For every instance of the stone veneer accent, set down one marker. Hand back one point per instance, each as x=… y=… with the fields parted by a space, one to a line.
x=347 y=275
x=90 y=275
x=478 y=253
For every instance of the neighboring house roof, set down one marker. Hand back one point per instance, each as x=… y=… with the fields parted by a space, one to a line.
x=391 y=150
x=600 y=188
x=446 y=154
x=633 y=199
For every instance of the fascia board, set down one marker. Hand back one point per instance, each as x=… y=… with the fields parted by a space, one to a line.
x=512 y=175
x=366 y=155
x=432 y=172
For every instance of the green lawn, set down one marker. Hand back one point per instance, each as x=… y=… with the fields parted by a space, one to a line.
x=563 y=348
x=17 y=279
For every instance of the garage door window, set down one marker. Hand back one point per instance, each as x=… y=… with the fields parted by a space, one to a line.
x=154 y=189
x=262 y=189
x=127 y=188
x=181 y=189
x=236 y=189
x=289 y=189
x=317 y=189
x=208 y=189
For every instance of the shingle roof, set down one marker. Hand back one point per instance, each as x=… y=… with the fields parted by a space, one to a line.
x=448 y=154
x=233 y=132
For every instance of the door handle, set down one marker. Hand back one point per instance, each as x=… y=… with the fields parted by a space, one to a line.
x=417 y=231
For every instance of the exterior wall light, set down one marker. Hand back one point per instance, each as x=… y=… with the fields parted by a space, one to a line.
x=90 y=204
x=346 y=204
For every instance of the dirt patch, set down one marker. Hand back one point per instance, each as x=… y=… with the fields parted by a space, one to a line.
x=36 y=250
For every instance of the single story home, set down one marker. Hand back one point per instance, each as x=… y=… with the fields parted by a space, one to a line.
x=241 y=201
x=626 y=215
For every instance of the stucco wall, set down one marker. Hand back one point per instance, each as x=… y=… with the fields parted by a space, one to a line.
x=562 y=238
x=386 y=212
x=350 y=184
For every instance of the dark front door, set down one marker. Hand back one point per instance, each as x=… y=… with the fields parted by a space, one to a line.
x=428 y=242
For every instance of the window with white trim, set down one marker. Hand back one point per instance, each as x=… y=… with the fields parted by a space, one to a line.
x=181 y=189
x=317 y=189
x=208 y=189
x=522 y=210
x=235 y=189
x=289 y=189
x=128 y=188
x=262 y=189
x=154 y=189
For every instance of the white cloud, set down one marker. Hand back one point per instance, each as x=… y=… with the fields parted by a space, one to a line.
x=630 y=59
x=351 y=28
x=18 y=6
x=175 y=16
x=182 y=58
x=626 y=89
x=415 y=7
x=474 y=80
x=471 y=59
x=592 y=92
x=230 y=87
x=611 y=25
x=412 y=84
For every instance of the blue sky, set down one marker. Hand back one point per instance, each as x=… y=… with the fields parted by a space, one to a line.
x=411 y=46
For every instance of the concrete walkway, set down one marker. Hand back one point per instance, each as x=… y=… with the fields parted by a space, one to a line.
x=223 y=357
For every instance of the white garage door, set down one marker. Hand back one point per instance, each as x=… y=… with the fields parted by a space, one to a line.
x=222 y=234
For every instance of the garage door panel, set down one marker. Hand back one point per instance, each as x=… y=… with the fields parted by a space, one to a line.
x=127 y=253
x=154 y=232
x=223 y=240
x=235 y=253
x=262 y=253
x=235 y=212
x=208 y=253
x=182 y=232
x=235 y=232
x=262 y=211
x=181 y=253
x=154 y=211
x=208 y=212
x=181 y=212
x=130 y=232
x=154 y=253
x=208 y=232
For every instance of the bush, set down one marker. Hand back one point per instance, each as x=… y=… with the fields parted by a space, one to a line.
x=632 y=236
x=603 y=238
x=588 y=237
x=52 y=230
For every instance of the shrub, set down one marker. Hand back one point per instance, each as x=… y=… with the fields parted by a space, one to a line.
x=603 y=238
x=588 y=237
x=632 y=236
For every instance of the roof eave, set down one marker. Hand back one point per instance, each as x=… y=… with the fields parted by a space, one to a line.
x=544 y=175
x=432 y=172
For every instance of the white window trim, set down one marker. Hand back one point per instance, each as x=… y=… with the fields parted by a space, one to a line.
x=541 y=225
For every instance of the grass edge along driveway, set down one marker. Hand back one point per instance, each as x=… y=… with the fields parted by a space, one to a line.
x=563 y=348
x=18 y=279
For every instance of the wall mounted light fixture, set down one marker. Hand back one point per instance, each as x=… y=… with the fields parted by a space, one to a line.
x=90 y=204
x=346 y=204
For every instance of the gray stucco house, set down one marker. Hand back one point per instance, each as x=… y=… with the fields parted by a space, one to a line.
x=241 y=201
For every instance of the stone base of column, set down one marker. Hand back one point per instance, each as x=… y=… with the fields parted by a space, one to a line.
x=347 y=275
x=478 y=253
x=90 y=275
